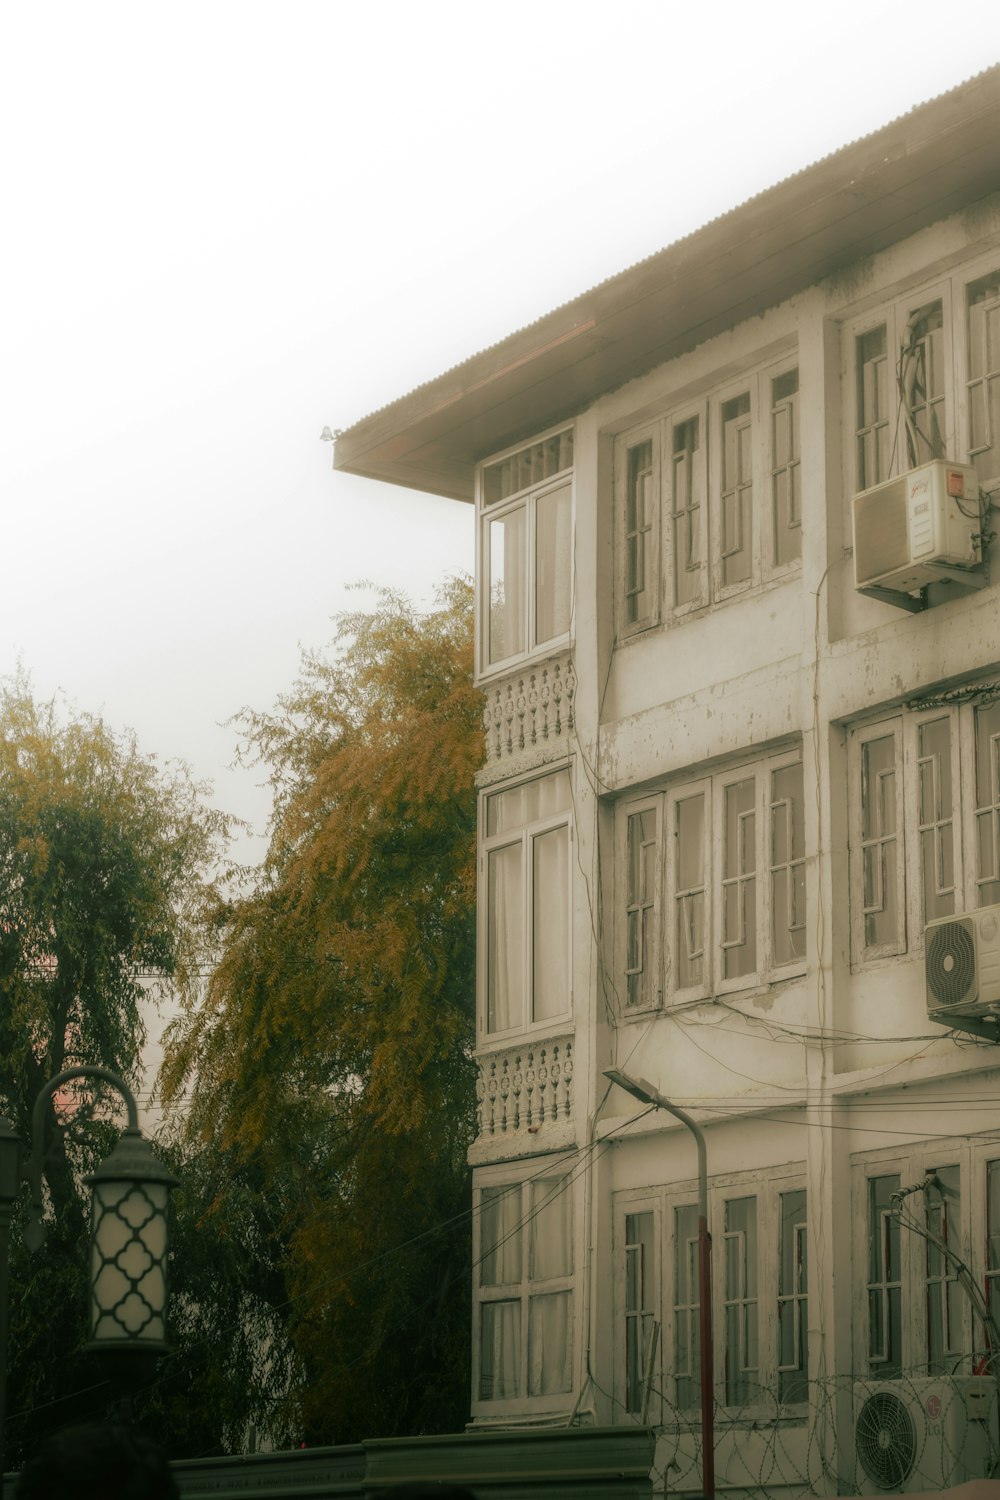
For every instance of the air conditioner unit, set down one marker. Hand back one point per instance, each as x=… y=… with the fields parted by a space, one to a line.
x=923 y=1434
x=962 y=965
x=911 y=530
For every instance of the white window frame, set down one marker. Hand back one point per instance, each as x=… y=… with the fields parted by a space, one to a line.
x=526 y=499
x=648 y=547
x=757 y=383
x=911 y=1165
x=523 y=1176
x=525 y=835
x=766 y=970
x=903 y=725
x=627 y=1204
x=766 y=1186
x=894 y=310
x=652 y=959
x=712 y=789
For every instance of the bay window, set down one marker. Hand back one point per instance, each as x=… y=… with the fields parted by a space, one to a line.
x=524 y=1293
x=525 y=881
x=526 y=552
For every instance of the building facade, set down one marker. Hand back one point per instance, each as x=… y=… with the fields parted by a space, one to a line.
x=725 y=794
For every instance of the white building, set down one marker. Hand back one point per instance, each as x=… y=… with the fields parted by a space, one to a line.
x=725 y=793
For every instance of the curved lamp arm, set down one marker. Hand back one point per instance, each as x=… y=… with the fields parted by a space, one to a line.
x=35 y=1229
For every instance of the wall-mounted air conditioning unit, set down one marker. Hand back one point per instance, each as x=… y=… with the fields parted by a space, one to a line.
x=962 y=965
x=924 y=1434
x=915 y=529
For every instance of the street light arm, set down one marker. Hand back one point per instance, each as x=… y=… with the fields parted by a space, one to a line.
x=34 y=1231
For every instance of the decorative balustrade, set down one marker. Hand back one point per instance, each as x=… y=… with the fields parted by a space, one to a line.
x=524 y=1087
x=528 y=708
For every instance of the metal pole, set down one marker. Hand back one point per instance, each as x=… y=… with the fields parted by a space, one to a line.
x=704 y=1298
x=640 y=1089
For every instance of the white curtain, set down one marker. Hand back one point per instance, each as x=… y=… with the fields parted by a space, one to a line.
x=508 y=568
x=550 y=924
x=505 y=939
x=500 y=1350
x=550 y=1314
x=553 y=563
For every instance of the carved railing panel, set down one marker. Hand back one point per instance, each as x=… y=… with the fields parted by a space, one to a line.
x=529 y=708
x=524 y=1087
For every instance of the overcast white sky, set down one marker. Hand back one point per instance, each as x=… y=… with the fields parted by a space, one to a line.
x=225 y=225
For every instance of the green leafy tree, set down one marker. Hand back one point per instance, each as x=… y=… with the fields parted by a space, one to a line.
x=330 y=1064
x=107 y=884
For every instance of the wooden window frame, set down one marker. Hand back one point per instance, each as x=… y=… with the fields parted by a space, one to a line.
x=904 y=725
x=526 y=499
x=911 y=1166
x=524 y=1176
x=652 y=804
x=651 y=543
x=766 y=1186
x=524 y=835
x=757 y=383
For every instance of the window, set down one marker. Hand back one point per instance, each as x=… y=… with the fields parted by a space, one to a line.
x=641 y=1324
x=728 y=472
x=793 y=1296
x=923 y=373
x=732 y=864
x=925 y=790
x=642 y=846
x=917 y=1317
x=526 y=887
x=526 y=553
x=760 y=1293
x=524 y=1297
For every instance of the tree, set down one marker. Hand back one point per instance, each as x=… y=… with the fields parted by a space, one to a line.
x=107 y=884
x=331 y=1061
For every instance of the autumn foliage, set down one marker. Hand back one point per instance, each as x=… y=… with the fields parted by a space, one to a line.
x=330 y=1062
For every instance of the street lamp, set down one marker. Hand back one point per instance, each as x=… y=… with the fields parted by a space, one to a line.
x=128 y=1238
x=640 y=1089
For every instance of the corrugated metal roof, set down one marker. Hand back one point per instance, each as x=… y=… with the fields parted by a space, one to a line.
x=926 y=163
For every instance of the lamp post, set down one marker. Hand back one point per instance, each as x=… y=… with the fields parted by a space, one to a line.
x=128 y=1238
x=640 y=1089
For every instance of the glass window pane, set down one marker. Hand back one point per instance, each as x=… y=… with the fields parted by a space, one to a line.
x=786 y=514
x=550 y=924
x=500 y=1235
x=984 y=377
x=553 y=563
x=550 y=1344
x=639 y=1305
x=936 y=818
x=878 y=841
x=873 y=408
x=639 y=569
x=640 y=910
x=689 y=891
x=736 y=498
x=545 y=797
x=505 y=938
x=739 y=898
x=687 y=487
x=506 y=571
x=788 y=912
x=793 y=1320
x=499 y=1350
x=884 y=1285
x=987 y=719
x=922 y=378
x=687 y=1346
x=551 y=1242
x=740 y=1300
